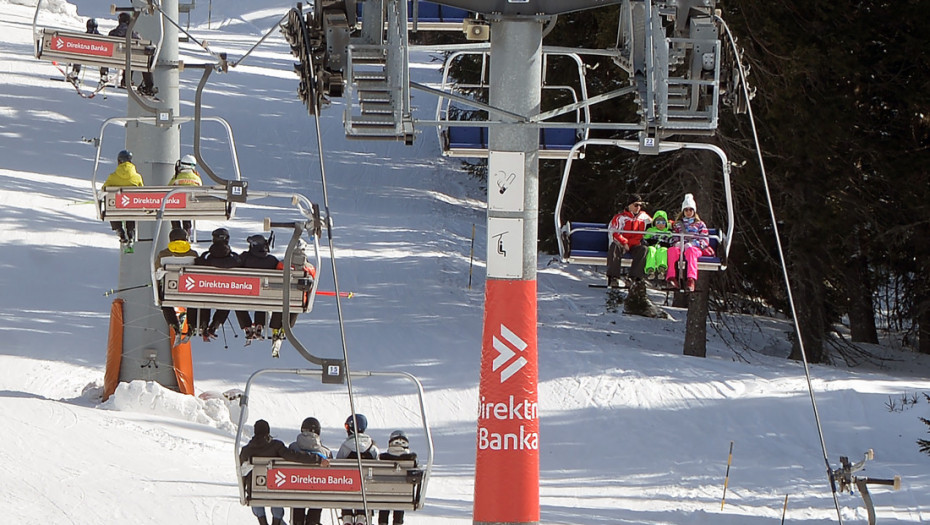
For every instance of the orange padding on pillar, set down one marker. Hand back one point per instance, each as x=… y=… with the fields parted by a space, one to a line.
x=183 y=364
x=114 y=349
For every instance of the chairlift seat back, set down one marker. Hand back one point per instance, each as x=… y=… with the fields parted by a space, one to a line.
x=472 y=141
x=389 y=484
x=434 y=17
x=73 y=47
x=234 y=288
x=141 y=203
x=178 y=260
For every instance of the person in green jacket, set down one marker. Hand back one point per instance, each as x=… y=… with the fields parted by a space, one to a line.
x=124 y=175
x=657 y=238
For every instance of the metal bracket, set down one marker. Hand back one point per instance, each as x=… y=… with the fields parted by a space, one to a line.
x=237 y=190
x=334 y=371
x=164 y=117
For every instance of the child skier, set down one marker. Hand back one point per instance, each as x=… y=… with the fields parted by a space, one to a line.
x=657 y=238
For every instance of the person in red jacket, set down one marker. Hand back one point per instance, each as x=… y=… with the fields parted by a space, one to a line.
x=624 y=235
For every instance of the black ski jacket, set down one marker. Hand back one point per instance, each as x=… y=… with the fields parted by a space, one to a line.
x=265 y=260
x=219 y=256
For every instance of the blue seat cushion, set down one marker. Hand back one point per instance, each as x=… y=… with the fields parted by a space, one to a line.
x=462 y=137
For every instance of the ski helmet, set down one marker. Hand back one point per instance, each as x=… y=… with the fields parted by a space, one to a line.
x=221 y=235
x=360 y=419
x=187 y=162
x=177 y=234
x=258 y=244
x=124 y=18
x=312 y=424
x=124 y=156
x=398 y=438
x=91 y=25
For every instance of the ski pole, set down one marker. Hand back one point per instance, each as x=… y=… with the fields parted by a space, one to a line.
x=726 y=479
x=112 y=291
x=471 y=257
x=225 y=343
x=333 y=294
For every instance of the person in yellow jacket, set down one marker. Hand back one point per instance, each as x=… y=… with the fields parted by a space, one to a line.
x=185 y=174
x=125 y=175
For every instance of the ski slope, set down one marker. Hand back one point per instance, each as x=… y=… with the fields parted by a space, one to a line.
x=631 y=430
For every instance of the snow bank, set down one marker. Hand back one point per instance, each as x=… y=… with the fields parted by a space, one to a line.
x=148 y=397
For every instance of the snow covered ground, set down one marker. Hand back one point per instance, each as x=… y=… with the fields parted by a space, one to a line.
x=631 y=430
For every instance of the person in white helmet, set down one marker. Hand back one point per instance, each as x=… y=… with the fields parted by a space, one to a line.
x=185 y=174
x=696 y=244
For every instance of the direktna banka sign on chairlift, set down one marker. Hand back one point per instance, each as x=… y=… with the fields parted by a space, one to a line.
x=82 y=47
x=316 y=480
x=127 y=201
x=196 y=283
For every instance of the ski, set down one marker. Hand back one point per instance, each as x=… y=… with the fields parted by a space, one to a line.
x=608 y=287
x=76 y=83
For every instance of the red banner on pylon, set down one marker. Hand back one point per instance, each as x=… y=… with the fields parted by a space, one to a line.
x=507 y=464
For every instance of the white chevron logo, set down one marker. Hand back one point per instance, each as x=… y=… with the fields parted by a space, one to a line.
x=125 y=200
x=59 y=43
x=505 y=353
x=189 y=283
x=279 y=478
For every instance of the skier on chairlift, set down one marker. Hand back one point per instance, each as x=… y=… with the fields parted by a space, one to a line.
x=356 y=424
x=148 y=83
x=688 y=222
x=309 y=441
x=263 y=445
x=76 y=68
x=178 y=246
x=124 y=175
x=219 y=255
x=257 y=256
x=623 y=240
x=185 y=174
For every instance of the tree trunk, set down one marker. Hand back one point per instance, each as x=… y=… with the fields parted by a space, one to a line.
x=922 y=290
x=696 y=324
x=859 y=302
x=809 y=301
x=923 y=325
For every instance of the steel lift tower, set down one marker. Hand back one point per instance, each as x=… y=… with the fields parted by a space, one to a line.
x=154 y=139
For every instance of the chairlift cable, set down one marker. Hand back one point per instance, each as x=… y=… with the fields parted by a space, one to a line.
x=314 y=99
x=202 y=44
x=784 y=267
x=262 y=39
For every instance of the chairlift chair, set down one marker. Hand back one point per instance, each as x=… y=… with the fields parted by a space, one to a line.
x=181 y=283
x=78 y=47
x=142 y=203
x=346 y=483
x=587 y=242
x=469 y=139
